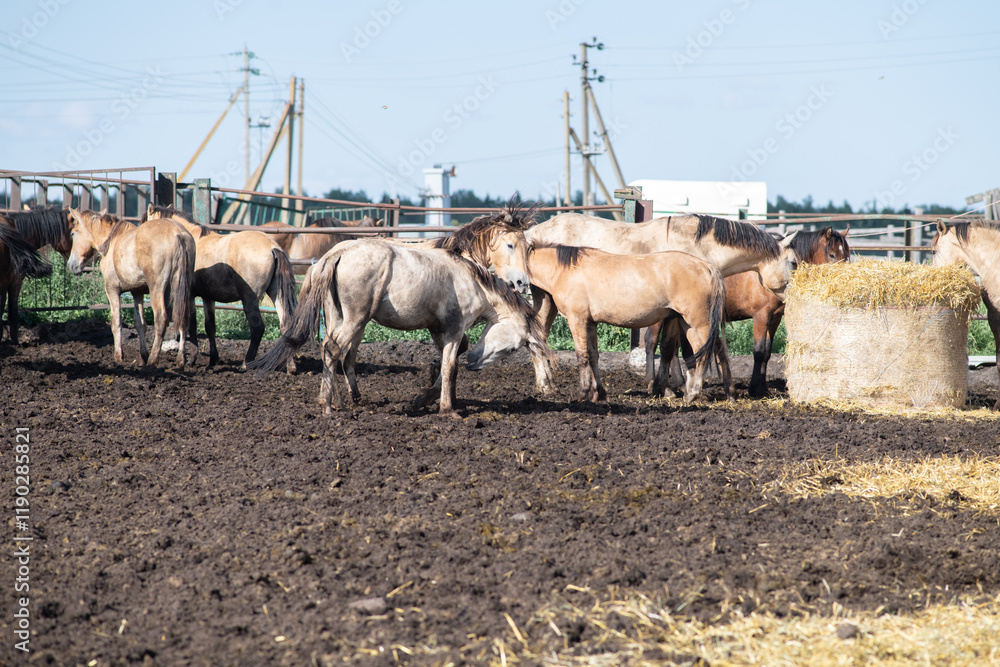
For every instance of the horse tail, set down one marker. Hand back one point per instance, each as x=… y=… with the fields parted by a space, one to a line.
x=717 y=306
x=320 y=278
x=181 y=284
x=283 y=282
x=25 y=259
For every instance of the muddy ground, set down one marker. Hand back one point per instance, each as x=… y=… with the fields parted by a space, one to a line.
x=211 y=518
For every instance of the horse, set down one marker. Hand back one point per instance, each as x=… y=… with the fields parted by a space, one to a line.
x=18 y=260
x=590 y=286
x=156 y=258
x=39 y=227
x=977 y=245
x=747 y=298
x=240 y=266
x=313 y=246
x=732 y=246
x=404 y=287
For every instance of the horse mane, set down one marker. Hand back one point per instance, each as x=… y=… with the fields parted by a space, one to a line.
x=736 y=234
x=474 y=236
x=173 y=211
x=962 y=228
x=492 y=283
x=40 y=226
x=118 y=227
x=328 y=222
x=568 y=255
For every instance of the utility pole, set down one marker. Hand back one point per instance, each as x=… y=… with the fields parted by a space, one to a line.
x=607 y=141
x=568 y=192
x=585 y=79
x=288 y=153
x=302 y=127
x=247 y=71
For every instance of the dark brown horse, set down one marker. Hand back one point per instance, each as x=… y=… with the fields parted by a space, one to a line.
x=18 y=259
x=41 y=226
x=747 y=298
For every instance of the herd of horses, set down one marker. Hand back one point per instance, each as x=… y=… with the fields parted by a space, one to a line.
x=680 y=277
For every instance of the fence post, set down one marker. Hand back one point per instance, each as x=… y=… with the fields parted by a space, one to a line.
x=634 y=209
x=15 y=193
x=166 y=189
x=201 y=202
x=394 y=216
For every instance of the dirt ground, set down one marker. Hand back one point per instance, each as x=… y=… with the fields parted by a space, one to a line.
x=213 y=518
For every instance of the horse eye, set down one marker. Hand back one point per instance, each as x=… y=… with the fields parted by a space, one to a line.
x=510 y=246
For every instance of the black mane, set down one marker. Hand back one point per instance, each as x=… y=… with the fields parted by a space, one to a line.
x=737 y=234
x=42 y=225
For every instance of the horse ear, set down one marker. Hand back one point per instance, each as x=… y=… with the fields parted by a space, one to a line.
x=846 y=230
x=104 y=211
x=787 y=241
x=942 y=227
x=828 y=233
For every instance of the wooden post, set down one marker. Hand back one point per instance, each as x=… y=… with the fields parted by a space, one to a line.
x=584 y=124
x=299 y=204
x=166 y=189
x=634 y=209
x=15 y=193
x=568 y=197
x=202 y=201
x=394 y=217
x=286 y=204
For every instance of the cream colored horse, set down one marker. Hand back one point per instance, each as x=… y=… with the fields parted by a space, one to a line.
x=406 y=288
x=157 y=258
x=313 y=246
x=733 y=247
x=239 y=266
x=591 y=286
x=977 y=245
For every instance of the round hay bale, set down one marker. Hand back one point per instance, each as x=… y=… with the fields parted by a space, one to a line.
x=879 y=333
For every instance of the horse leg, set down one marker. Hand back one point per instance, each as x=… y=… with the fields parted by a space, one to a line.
x=722 y=357
x=256 y=324
x=585 y=357
x=328 y=393
x=993 y=319
x=545 y=311
x=761 y=353
x=348 y=363
x=696 y=376
x=652 y=337
x=13 y=321
x=210 y=329
x=669 y=332
x=427 y=396
x=115 y=302
x=449 y=373
x=139 y=306
x=161 y=317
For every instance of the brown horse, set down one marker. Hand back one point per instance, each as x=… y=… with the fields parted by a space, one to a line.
x=747 y=298
x=39 y=227
x=18 y=260
x=977 y=245
x=733 y=247
x=591 y=286
x=156 y=258
x=314 y=246
x=403 y=287
x=240 y=266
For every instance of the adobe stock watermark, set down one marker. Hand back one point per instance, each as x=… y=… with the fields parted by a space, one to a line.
x=121 y=109
x=452 y=118
x=32 y=24
x=224 y=7
x=786 y=127
x=917 y=165
x=900 y=16
x=562 y=12
x=714 y=28
x=363 y=35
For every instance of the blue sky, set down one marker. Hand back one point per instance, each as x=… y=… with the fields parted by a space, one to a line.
x=864 y=100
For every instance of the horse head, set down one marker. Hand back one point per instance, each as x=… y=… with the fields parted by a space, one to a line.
x=949 y=243
x=508 y=252
x=775 y=274
x=83 y=243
